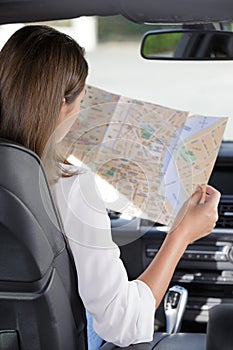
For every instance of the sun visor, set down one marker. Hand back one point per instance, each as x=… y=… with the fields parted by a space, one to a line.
x=177 y=11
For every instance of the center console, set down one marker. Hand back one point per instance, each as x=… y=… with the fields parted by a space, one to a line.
x=205 y=270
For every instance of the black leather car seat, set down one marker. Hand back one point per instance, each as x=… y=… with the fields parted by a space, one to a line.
x=39 y=303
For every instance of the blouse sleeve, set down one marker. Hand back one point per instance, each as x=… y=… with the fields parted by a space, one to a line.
x=122 y=310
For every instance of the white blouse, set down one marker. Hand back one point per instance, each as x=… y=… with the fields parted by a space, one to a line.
x=122 y=310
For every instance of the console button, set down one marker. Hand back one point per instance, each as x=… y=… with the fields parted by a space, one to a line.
x=206 y=256
x=220 y=257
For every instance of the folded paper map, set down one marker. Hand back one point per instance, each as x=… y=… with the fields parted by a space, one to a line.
x=151 y=158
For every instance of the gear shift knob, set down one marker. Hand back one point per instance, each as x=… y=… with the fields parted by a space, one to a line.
x=174 y=306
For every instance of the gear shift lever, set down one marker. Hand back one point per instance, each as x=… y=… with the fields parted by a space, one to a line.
x=174 y=305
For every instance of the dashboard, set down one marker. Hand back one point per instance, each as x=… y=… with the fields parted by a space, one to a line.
x=206 y=267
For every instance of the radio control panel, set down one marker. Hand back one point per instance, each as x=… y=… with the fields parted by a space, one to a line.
x=209 y=257
x=206 y=253
x=221 y=252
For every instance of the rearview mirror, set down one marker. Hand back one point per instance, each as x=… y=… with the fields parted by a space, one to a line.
x=188 y=44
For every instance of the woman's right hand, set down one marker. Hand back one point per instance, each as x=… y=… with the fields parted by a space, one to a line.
x=197 y=219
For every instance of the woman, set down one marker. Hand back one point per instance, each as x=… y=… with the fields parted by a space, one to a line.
x=42 y=82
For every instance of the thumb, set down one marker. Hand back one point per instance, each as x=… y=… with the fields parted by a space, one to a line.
x=197 y=196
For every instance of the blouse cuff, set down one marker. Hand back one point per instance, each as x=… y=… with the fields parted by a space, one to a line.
x=146 y=313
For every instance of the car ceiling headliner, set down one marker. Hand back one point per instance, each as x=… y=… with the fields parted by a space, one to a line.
x=153 y=11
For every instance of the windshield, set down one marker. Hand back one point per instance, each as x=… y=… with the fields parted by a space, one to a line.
x=113 y=52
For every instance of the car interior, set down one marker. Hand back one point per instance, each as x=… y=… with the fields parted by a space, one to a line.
x=40 y=308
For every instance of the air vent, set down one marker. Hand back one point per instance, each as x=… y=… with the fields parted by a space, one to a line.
x=225 y=215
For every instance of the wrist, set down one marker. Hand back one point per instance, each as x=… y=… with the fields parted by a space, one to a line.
x=180 y=237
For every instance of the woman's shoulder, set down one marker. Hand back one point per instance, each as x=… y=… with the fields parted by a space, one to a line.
x=81 y=188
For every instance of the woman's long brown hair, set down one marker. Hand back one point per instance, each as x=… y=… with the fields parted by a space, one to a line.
x=39 y=67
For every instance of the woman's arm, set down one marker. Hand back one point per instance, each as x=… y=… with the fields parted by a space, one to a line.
x=122 y=311
x=194 y=221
